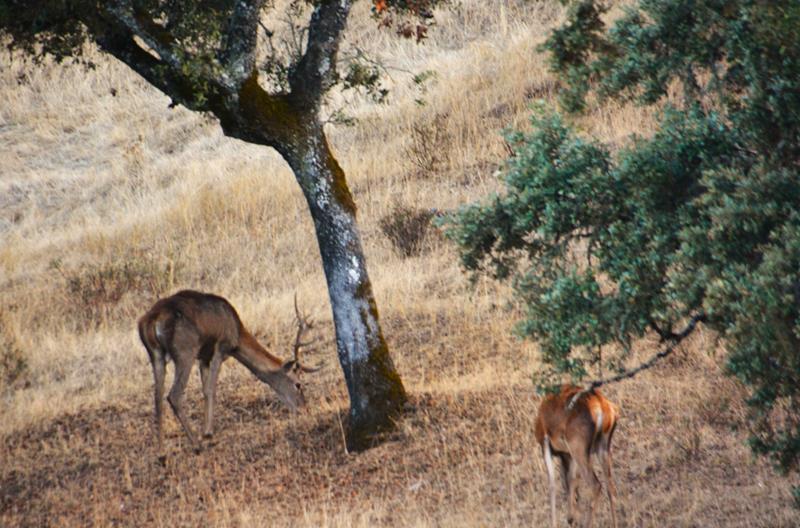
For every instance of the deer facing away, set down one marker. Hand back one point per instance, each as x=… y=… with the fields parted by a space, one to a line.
x=193 y=326
x=574 y=431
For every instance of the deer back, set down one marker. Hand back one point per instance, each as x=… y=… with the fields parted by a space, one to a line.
x=188 y=319
x=592 y=412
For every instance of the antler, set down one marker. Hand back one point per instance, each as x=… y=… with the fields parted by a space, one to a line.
x=304 y=324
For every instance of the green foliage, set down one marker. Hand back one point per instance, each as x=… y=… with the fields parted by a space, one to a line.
x=700 y=221
x=588 y=243
x=741 y=56
x=191 y=31
x=572 y=44
x=367 y=77
x=46 y=27
x=193 y=34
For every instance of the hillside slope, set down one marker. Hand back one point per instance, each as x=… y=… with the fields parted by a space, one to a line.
x=108 y=199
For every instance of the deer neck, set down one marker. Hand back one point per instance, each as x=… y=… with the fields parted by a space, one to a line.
x=256 y=358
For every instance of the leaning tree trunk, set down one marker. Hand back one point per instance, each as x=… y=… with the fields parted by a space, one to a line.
x=376 y=391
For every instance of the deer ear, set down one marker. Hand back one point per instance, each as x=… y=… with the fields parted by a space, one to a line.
x=289 y=366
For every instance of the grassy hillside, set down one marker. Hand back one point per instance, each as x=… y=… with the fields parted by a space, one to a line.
x=110 y=199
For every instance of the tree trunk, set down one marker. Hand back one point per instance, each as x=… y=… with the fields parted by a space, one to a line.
x=376 y=391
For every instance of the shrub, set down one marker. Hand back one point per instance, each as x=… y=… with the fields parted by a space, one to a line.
x=96 y=291
x=406 y=228
x=430 y=143
x=13 y=364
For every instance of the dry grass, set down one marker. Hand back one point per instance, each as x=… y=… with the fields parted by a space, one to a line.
x=108 y=201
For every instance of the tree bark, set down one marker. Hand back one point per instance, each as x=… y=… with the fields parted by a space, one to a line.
x=376 y=392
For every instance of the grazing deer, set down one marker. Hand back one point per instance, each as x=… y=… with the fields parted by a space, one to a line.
x=191 y=326
x=574 y=425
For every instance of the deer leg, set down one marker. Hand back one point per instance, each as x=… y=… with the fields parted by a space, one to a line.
x=551 y=477
x=205 y=368
x=209 y=372
x=206 y=354
x=570 y=471
x=582 y=457
x=605 y=460
x=158 y=362
x=183 y=368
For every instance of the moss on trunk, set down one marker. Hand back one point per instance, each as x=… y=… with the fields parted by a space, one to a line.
x=380 y=381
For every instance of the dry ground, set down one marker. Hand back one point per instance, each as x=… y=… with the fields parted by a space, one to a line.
x=109 y=199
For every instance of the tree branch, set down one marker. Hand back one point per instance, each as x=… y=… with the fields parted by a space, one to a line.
x=238 y=54
x=119 y=42
x=153 y=35
x=663 y=334
x=671 y=336
x=315 y=73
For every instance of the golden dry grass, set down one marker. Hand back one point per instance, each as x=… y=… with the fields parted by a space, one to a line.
x=107 y=201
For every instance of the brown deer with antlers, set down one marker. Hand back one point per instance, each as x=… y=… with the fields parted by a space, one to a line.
x=193 y=326
x=573 y=425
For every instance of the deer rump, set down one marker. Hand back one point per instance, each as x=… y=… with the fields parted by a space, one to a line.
x=176 y=323
x=574 y=426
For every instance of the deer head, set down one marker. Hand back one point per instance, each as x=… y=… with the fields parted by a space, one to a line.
x=287 y=384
